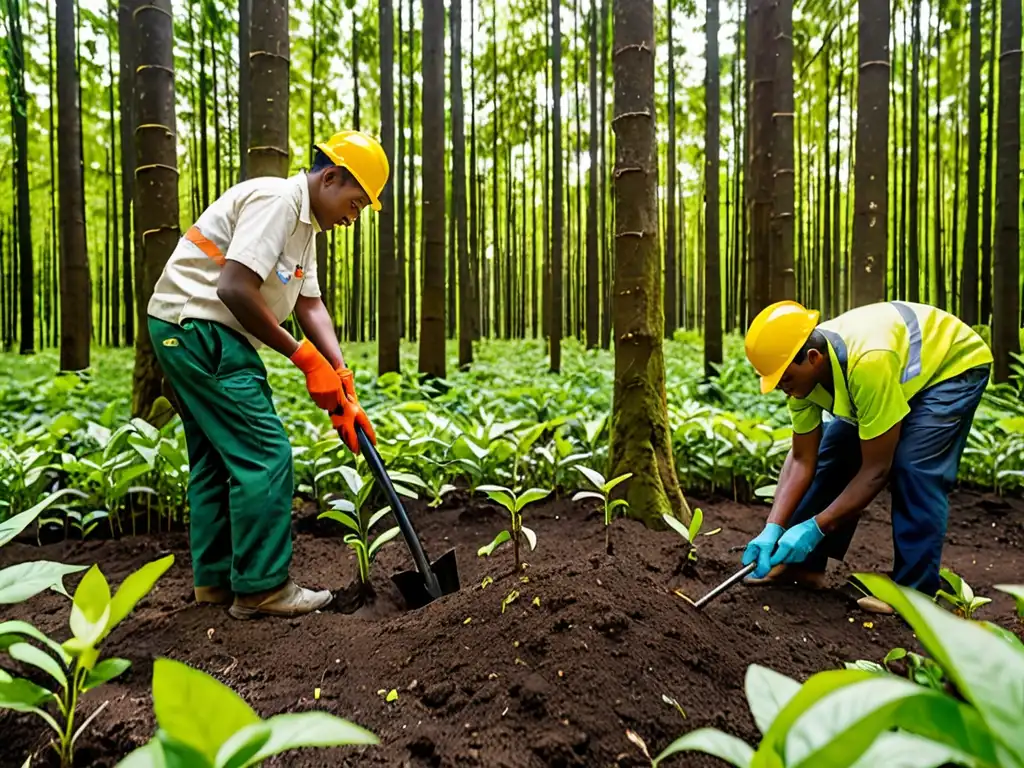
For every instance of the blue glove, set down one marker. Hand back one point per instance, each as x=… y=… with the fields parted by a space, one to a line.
x=797 y=543
x=760 y=549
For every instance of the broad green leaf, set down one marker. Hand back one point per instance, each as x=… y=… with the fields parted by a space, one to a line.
x=352 y=479
x=529 y=496
x=960 y=587
x=610 y=485
x=136 y=587
x=531 y=537
x=90 y=609
x=376 y=517
x=12 y=631
x=596 y=478
x=126 y=478
x=22 y=695
x=593 y=429
x=905 y=750
x=710 y=741
x=842 y=725
x=12 y=526
x=149 y=755
x=1017 y=592
x=616 y=503
x=339 y=517
x=29 y=654
x=579 y=495
x=343 y=505
x=502 y=498
x=304 y=729
x=383 y=539
x=355 y=542
x=243 y=745
x=988 y=672
x=488 y=488
x=407 y=478
x=196 y=709
x=766 y=491
x=894 y=655
x=695 y=524
x=24 y=580
x=488 y=549
x=768 y=692
x=677 y=525
x=105 y=671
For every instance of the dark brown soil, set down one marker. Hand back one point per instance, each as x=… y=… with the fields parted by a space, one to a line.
x=554 y=681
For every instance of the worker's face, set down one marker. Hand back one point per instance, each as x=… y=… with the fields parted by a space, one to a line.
x=800 y=378
x=339 y=203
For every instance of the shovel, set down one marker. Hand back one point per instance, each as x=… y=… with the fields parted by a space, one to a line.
x=736 y=577
x=430 y=580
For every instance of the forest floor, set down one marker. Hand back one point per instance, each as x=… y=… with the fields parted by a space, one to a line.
x=554 y=681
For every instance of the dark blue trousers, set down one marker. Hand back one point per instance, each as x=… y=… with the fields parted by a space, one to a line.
x=924 y=470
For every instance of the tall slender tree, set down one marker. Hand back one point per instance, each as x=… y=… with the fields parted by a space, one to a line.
x=114 y=275
x=432 y=326
x=244 y=83
x=914 y=230
x=986 y=196
x=1006 y=314
x=466 y=281
x=269 y=154
x=871 y=185
x=969 y=279
x=387 y=272
x=555 y=318
x=414 y=243
x=712 y=270
x=671 y=318
x=783 y=275
x=760 y=34
x=593 y=286
x=641 y=441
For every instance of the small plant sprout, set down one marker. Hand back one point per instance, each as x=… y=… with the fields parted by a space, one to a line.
x=514 y=503
x=353 y=515
x=603 y=492
x=202 y=723
x=71 y=669
x=1016 y=591
x=689 y=533
x=962 y=597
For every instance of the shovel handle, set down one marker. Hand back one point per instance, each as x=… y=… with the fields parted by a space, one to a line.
x=381 y=476
x=740 y=574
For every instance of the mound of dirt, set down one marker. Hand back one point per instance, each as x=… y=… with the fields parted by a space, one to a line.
x=547 y=668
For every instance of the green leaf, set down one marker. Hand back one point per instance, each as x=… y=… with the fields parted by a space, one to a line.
x=1017 y=592
x=104 y=672
x=507 y=501
x=960 y=587
x=301 y=729
x=905 y=750
x=381 y=540
x=149 y=755
x=136 y=587
x=196 y=709
x=616 y=503
x=595 y=478
x=580 y=495
x=243 y=745
x=10 y=631
x=29 y=654
x=12 y=526
x=711 y=742
x=987 y=671
x=488 y=549
x=90 y=609
x=489 y=488
x=376 y=517
x=407 y=478
x=352 y=479
x=22 y=695
x=768 y=692
x=343 y=505
x=894 y=655
x=695 y=523
x=24 y=580
x=340 y=517
x=529 y=496
x=610 y=485
x=531 y=537
x=676 y=525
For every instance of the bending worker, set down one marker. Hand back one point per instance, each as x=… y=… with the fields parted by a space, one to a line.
x=246 y=265
x=903 y=382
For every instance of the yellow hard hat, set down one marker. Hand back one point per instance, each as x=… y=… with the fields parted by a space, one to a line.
x=775 y=336
x=362 y=156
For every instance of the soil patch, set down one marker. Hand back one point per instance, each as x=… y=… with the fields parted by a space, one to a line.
x=587 y=650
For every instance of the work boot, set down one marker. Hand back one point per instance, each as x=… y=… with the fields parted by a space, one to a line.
x=288 y=600
x=874 y=605
x=214 y=596
x=789 y=574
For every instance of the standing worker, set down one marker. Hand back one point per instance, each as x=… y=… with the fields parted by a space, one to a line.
x=903 y=382
x=246 y=265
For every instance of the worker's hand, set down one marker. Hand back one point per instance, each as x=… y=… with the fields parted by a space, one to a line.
x=797 y=543
x=321 y=380
x=760 y=549
x=350 y=413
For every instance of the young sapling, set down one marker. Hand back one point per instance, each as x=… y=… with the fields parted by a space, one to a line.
x=603 y=493
x=691 y=532
x=514 y=503
x=962 y=597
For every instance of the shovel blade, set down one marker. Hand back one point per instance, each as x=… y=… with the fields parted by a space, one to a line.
x=413 y=587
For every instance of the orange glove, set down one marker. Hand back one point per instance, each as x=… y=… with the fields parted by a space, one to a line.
x=321 y=380
x=351 y=413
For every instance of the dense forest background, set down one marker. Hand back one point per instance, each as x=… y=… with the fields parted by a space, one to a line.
x=833 y=153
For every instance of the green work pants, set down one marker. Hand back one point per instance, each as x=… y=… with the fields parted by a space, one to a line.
x=241 y=486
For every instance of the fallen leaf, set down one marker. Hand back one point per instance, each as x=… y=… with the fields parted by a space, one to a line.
x=392 y=696
x=316 y=694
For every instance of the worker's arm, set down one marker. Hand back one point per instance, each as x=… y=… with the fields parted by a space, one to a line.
x=239 y=289
x=876 y=461
x=796 y=476
x=317 y=325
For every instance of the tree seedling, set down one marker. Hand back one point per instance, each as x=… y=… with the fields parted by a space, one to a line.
x=690 y=533
x=962 y=598
x=1016 y=591
x=603 y=493
x=201 y=723
x=514 y=503
x=73 y=667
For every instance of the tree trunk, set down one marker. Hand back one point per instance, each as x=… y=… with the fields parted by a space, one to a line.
x=76 y=287
x=713 y=285
x=913 y=246
x=19 y=116
x=244 y=83
x=1005 y=331
x=389 y=300
x=783 y=276
x=400 y=180
x=204 y=91
x=605 y=226
x=53 y=250
x=986 y=195
x=432 y=327
x=969 y=280
x=593 y=301
x=114 y=276
x=671 y=320
x=555 y=341
x=760 y=28
x=641 y=440
x=268 y=105
x=826 y=218
x=357 y=324
x=474 y=211
x=157 y=174
x=467 y=281
x=414 y=247
x=871 y=185
x=938 y=266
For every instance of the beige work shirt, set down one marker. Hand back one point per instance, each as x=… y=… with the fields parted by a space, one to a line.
x=265 y=224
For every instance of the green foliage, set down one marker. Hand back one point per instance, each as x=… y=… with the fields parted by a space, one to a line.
x=603 y=493
x=513 y=503
x=1016 y=591
x=690 y=533
x=962 y=597
x=201 y=723
x=74 y=667
x=866 y=716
